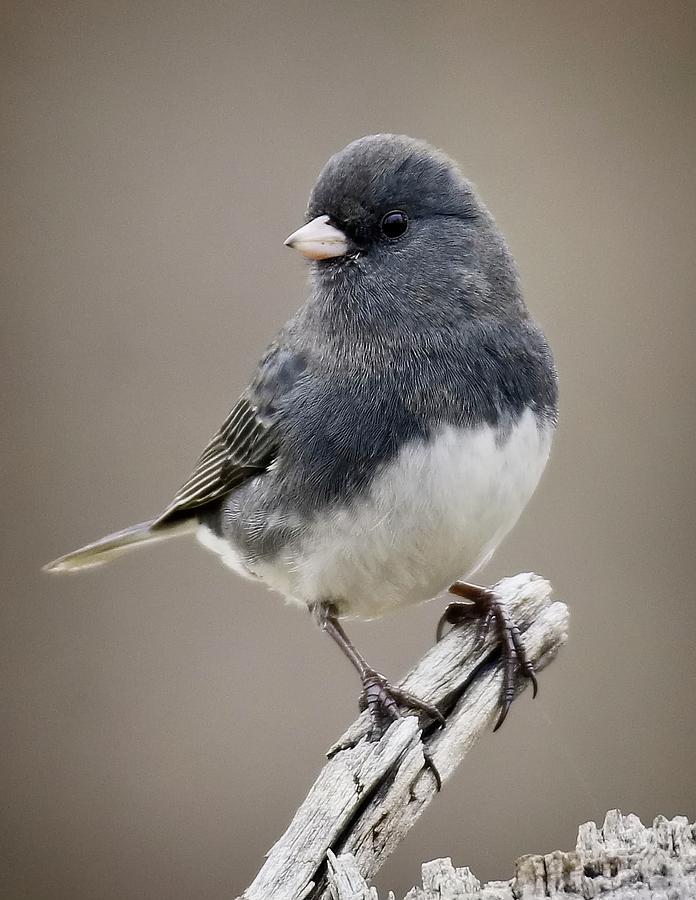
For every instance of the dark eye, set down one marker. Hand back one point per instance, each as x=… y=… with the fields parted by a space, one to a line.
x=394 y=224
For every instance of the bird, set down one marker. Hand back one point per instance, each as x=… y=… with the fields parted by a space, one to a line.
x=394 y=429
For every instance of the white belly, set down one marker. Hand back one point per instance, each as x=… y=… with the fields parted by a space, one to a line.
x=433 y=515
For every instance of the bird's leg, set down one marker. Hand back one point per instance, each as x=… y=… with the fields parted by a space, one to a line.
x=380 y=698
x=486 y=607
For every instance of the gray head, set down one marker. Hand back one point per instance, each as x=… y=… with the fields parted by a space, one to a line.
x=392 y=215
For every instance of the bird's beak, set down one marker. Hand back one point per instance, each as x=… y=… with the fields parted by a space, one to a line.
x=318 y=240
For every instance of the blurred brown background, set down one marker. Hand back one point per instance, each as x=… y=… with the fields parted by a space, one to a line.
x=163 y=718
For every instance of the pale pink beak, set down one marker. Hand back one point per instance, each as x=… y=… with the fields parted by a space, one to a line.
x=318 y=240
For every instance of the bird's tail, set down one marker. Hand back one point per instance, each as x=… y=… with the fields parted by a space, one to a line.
x=113 y=545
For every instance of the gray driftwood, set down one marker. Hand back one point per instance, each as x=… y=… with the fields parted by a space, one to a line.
x=369 y=795
x=623 y=860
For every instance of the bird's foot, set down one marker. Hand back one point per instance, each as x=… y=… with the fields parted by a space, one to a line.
x=382 y=701
x=486 y=608
x=378 y=697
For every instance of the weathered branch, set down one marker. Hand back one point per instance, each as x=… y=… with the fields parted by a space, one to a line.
x=369 y=795
x=623 y=860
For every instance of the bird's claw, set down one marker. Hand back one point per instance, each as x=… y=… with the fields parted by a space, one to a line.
x=382 y=700
x=487 y=608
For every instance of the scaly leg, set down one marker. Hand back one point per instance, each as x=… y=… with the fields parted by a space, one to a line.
x=377 y=695
x=486 y=607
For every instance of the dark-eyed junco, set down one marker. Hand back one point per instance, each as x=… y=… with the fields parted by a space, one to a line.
x=396 y=427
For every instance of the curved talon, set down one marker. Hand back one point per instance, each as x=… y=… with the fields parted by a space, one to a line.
x=503 y=715
x=524 y=661
x=456 y=613
x=440 y=628
x=430 y=764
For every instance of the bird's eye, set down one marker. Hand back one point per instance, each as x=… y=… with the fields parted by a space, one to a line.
x=394 y=224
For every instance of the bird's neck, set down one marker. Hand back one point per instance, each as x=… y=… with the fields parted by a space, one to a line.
x=380 y=320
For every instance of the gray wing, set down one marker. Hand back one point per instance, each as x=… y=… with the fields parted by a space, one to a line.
x=248 y=440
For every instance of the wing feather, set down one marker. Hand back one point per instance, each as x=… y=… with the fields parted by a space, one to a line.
x=248 y=440
x=242 y=447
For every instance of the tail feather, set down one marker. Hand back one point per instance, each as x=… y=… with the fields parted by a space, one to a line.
x=113 y=545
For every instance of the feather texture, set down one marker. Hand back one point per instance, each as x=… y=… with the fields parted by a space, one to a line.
x=242 y=447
